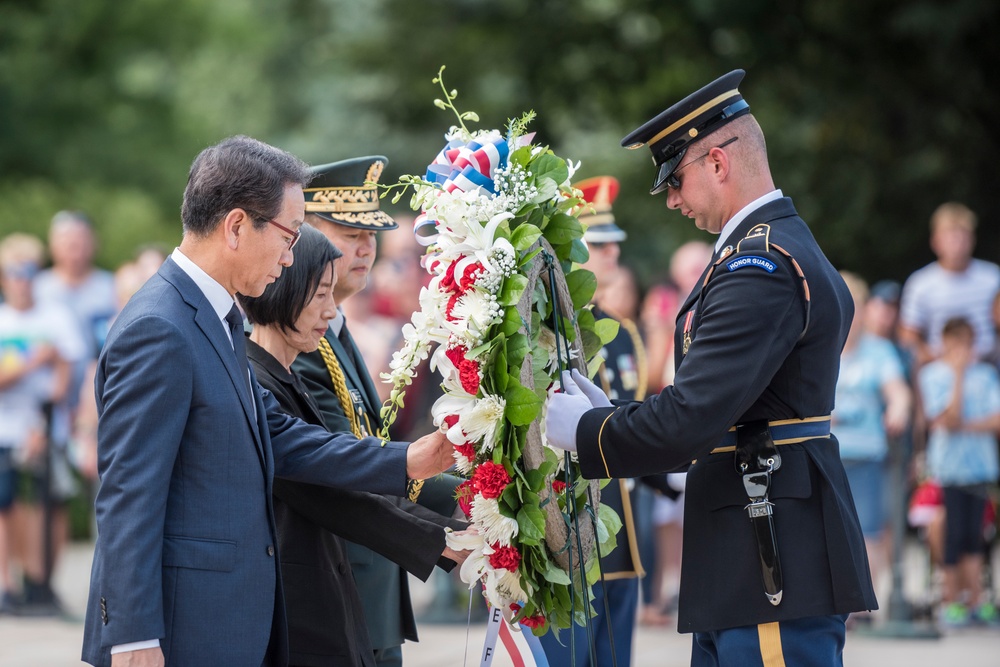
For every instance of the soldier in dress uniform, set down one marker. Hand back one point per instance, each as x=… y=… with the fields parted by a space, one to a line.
x=774 y=557
x=345 y=208
x=622 y=376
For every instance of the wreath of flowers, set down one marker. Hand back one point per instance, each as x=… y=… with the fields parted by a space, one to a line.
x=486 y=200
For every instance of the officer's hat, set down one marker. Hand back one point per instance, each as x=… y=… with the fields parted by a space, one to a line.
x=338 y=193
x=600 y=192
x=701 y=113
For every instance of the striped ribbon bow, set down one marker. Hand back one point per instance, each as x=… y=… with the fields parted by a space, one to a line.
x=467 y=167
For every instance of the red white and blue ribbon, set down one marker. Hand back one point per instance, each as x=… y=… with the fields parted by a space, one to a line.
x=523 y=648
x=467 y=167
x=463 y=167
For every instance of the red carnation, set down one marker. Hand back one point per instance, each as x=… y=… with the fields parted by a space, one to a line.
x=451 y=306
x=466 y=450
x=448 y=281
x=490 y=479
x=558 y=485
x=505 y=558
x=456 y=355
x=471 y=273
x=464 y=493
x=468 y=373
x=450 y=420
x=532 y=622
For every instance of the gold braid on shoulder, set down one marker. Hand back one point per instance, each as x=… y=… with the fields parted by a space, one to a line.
x=339 y=384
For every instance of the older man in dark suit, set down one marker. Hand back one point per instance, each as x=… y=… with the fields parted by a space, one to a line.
x=185 y=569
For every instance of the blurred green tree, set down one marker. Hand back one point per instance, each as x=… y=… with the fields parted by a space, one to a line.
x=876 y=111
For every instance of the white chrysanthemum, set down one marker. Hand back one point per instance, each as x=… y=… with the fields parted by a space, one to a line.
x=463 y=464
x=492 y=525
x=507 y=587
x=472 y=316
x=482 y=423
x=547 y=344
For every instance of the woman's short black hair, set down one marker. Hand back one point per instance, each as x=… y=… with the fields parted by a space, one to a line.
x=284 y=300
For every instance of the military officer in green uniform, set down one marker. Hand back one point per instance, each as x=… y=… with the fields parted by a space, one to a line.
x=342 y=202
x=774 y=557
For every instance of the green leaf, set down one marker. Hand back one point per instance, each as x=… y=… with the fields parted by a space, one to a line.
x=562 y=228
x=591 y=343
x=582 y=285
x=577 y=252
x=547 y=189
x=518 y=348
x=523 y=406
x=512 y=322
x=524 y=235
x=556 y=575
x=513 y=288
x=528 y=257
x=531 y=524
x=499 y=370
x=549 y=165
x=607 y=329
x=536 y=480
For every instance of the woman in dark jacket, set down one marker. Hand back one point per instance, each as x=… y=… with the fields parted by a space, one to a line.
x=326 y=624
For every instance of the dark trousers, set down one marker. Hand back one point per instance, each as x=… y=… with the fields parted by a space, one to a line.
x=389 y=657
x=817 y=641
x=622 y=597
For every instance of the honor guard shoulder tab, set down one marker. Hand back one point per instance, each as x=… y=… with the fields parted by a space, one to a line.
x=758 y=239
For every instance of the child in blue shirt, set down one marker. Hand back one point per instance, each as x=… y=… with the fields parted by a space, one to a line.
x=962 y=403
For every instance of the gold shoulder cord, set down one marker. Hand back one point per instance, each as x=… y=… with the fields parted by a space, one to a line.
x=413 y=486
x=640 y=358
x=339 y=384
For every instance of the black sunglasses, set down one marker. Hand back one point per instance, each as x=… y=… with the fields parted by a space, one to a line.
x=667 y=174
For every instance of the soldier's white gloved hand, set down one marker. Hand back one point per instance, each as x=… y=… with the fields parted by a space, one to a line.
x=563 y=413
x=594 y=393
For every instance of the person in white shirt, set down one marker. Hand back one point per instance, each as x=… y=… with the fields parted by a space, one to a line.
x=956 y=285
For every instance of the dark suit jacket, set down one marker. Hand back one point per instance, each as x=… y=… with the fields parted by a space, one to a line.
x=382 y=585
x=186 y=533
x=326 y=623
x=749 y=359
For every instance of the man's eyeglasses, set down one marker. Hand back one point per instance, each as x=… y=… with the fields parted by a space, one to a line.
x=294 y=233
x=674 y=182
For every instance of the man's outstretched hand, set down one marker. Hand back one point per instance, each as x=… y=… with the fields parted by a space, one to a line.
x=428 y=456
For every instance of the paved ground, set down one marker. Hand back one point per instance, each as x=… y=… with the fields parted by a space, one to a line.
x=28 y=642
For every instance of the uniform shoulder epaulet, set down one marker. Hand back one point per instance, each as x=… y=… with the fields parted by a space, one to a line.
x=758 y=238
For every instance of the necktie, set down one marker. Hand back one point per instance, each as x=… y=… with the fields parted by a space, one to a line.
x=235 y=321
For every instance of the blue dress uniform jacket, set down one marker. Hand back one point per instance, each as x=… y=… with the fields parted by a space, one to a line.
x=326 y=624
x=186 y=544
x=748 y=358
x=382 y=584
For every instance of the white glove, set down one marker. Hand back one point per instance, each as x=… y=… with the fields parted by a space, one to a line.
x=595 y=394
x=566 y=409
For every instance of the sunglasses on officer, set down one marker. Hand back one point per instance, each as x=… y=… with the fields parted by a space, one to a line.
x=666 y=175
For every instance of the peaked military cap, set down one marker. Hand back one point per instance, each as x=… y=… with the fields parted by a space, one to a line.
x=697 y=115
x=600 y=192
x=338 y=193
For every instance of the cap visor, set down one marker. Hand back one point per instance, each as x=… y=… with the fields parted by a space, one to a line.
x=663 y=173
